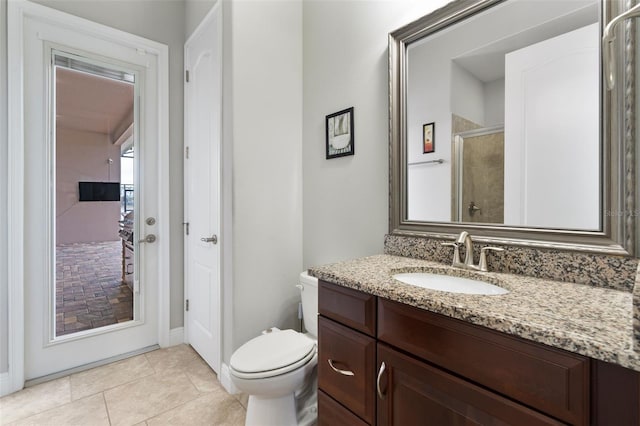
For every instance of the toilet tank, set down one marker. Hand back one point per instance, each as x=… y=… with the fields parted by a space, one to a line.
x=309 y=293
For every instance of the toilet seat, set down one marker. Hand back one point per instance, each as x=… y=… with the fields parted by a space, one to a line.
x=272 y=354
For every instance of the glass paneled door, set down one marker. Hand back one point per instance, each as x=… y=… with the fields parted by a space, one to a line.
x=91 y=192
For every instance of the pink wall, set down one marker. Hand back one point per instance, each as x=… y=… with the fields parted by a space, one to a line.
x=83 y=156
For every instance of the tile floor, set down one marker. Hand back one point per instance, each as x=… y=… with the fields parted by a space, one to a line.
x=170 y=386
x=89 y=288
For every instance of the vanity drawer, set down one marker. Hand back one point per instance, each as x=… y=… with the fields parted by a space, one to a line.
x=346 y=367
x=550 y=380
x=330 y=413
x=349 y=307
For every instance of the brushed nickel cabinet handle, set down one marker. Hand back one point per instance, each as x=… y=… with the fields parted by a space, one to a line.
x=382 y=368
x=337 y=370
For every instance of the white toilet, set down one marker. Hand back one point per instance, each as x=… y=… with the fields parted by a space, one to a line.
x=274 y=367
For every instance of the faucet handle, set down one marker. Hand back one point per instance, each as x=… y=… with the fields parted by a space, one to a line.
x=483 y=257
x=456 y=251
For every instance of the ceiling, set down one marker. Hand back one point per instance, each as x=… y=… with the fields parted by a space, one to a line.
x=487 y=62
x=92 y=103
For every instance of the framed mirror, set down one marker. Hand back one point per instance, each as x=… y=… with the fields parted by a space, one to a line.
x=526 y=144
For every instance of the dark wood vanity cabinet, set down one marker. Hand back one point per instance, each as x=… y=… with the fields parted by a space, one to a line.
x=442 y=371
x=417 y=393
x=550 y=380
x=347 y=355
x=345 y=367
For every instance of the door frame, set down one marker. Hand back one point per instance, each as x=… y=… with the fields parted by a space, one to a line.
x=213 y=17
x=17 y=12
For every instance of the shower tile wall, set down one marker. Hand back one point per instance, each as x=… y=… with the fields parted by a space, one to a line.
x=458 y=125
x=483 y=174
x=483 y=178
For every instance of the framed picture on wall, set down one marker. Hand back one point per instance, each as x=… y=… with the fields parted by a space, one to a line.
x=339 y=134
x=428 y=138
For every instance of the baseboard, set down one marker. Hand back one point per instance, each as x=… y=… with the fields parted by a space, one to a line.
x=176 y=336
x=225 y=380
x=5 y=384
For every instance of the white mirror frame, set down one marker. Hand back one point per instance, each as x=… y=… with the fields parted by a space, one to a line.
x=618 y=230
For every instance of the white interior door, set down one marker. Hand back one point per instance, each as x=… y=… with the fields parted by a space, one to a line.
x=43 y=34
x=202 y=188
x=550 y=87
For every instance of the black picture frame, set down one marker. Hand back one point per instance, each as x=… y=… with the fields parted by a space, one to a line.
x=340 y=140
x=429 y=138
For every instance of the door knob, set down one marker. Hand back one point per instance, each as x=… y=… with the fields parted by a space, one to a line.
x=148 y=239
x=213 y=239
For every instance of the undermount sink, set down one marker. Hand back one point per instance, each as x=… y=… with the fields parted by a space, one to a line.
x=449 y=283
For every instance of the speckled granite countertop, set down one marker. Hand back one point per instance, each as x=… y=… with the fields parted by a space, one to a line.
x=591 y=321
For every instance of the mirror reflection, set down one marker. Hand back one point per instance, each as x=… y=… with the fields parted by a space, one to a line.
x=94 y=189
x=514 y=97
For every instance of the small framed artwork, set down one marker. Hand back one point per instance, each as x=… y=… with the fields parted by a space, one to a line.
x=340 y=138
x=428 y=138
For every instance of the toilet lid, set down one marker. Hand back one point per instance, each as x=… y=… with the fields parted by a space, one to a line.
x=271 y=351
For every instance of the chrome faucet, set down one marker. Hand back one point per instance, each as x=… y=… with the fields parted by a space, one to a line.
x=465 y=238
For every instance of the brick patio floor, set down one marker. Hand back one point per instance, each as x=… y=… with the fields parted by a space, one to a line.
x=89 y=288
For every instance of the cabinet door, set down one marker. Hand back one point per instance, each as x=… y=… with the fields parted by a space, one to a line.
x=330 y=413
x=346 y=367
x=547 y=379
x=412 y=392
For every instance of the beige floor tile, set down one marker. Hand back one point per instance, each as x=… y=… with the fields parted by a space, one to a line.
x=147 y=397
x=109 y=376
x=172 y=357
x=34 y=400
x=202 y=376
x=83 y=412
x=243 y=398
x=215 y=408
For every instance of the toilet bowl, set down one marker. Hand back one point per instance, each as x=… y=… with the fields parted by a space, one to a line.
x=275 y=366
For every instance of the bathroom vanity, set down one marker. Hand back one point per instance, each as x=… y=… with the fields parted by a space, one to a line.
x=391 y=353
x=560 y=347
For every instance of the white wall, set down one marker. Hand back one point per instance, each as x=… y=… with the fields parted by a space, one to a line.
x=475 y=100
x=494 y=103
x=194 y=12
x=266 y=109
x=4 y=283
x=82 y=156
x=346 y=64
x=467 y=94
